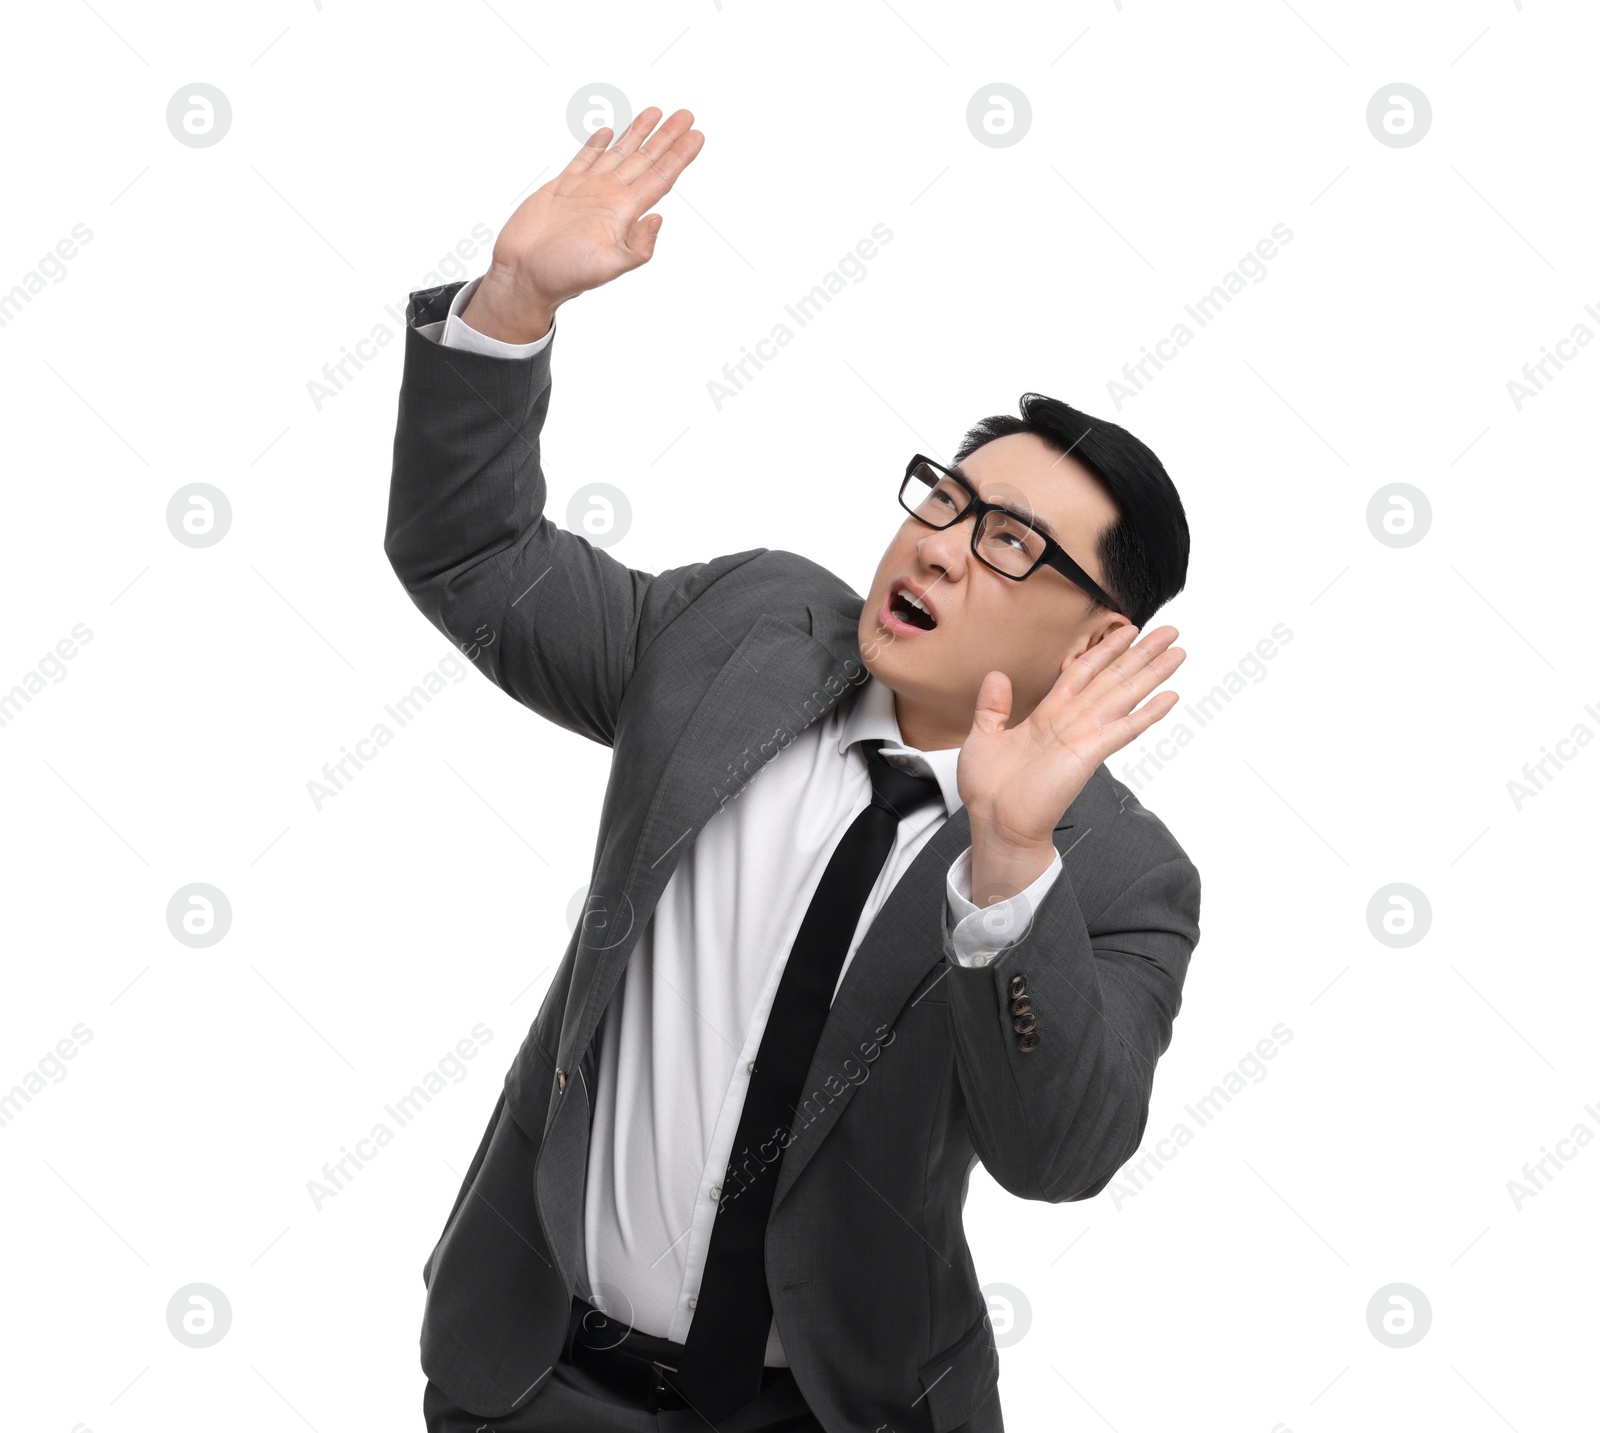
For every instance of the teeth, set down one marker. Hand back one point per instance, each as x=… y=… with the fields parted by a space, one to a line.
x=907 y=596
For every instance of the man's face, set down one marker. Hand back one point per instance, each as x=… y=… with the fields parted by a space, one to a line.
x=984 y=621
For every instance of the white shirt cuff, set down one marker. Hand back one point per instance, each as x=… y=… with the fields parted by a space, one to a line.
x=977 y=935
x=453 y=331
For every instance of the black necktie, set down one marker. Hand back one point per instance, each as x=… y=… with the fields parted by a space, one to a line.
x=723 y=1354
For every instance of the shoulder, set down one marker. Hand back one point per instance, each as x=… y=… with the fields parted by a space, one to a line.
x=1122 y=825
x=772 y=582
x=1127 y=865
x=811 y=584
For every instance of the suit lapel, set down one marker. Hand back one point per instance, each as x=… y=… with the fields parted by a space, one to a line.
x=777 y=682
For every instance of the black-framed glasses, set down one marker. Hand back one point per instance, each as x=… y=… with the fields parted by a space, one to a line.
x=1002 y=539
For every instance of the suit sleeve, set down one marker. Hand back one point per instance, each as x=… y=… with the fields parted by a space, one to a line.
x=1055 y=1122
x=556 y=622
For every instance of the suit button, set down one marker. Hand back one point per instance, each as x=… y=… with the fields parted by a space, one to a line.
x=1019 y=986
x=1028 y=1043
x=561 y=1079
x=1022 y=1006
x=1025 y=1024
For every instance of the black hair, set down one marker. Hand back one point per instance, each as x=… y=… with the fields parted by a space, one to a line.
x=1144 y=552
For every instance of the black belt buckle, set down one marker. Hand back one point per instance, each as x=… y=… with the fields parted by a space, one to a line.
x=652 y=1402
x=631 y=1364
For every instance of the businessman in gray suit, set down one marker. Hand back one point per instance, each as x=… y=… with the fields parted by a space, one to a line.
x=866 y=907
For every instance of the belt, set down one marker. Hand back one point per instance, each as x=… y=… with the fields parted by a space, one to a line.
x=638 y=1367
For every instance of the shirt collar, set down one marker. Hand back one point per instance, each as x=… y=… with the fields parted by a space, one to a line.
x=872 y=715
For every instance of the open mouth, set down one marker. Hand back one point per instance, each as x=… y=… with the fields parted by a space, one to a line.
x=906 y=607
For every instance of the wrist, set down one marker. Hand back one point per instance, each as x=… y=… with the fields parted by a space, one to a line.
x=499 y=309
x=1003 y=867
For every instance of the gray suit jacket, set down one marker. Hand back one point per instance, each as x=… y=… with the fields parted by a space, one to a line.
x=695 y=677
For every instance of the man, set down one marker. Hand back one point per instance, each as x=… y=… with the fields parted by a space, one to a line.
x=866 y=907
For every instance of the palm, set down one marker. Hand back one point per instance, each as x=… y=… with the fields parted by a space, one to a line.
x=582 y=230
x=589 y=224
x=1017 y=782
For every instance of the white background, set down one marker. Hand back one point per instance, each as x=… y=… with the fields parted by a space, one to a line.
x=371 y=935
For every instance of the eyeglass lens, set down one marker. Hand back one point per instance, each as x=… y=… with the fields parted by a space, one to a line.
x=1005 y=542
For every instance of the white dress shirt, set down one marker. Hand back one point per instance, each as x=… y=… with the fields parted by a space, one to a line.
x=682 y=1030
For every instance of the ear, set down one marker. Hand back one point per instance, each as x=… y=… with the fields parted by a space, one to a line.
x=1108 y=624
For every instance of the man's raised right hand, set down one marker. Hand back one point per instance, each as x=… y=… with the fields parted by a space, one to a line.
x=584 y=227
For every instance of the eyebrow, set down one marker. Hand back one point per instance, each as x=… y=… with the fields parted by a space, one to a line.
x=1034 y=519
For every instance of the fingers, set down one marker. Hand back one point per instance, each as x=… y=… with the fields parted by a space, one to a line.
x=632 y=137
x=1126 y=729
x=664 y=172
x=1131 y=659
x=1077 y=672
x=1112 y=677
x=1133 y=688
x=590 y=150
x=650 y=147
x=994 y=703
x=641 y=240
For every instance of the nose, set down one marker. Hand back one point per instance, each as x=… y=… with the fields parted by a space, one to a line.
x=946 y=549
